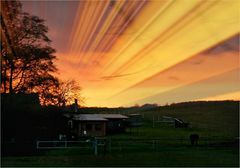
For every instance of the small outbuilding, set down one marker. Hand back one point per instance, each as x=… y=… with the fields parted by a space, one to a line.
x=82 y=125
x=116 y=123
x=179 y=123
x=135 y=120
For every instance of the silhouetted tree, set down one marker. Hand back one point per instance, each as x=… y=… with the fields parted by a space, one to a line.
x=26 y=54
x=69 y=91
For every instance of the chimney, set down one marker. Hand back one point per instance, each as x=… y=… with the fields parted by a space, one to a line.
x=75 y=105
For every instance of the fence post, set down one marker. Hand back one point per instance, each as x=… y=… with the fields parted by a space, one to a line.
x=65 y=143
x=37 y=144
x=153 y=145
x=109 y=145
x=153 y=121
x=120 y=146
x=95 y=147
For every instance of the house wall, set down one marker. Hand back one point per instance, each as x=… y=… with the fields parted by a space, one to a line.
x=92 y=128
x=115 y=126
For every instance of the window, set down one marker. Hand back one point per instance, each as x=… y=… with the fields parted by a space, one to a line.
x=70 y=124
x=89 y=126
x=98 y=127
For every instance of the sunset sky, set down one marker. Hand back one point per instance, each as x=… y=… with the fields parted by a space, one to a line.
x=145 y=51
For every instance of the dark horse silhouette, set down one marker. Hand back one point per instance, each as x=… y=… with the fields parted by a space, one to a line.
x=194 y=139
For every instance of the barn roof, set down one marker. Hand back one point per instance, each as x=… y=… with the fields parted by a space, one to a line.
x=134 y=115
x=20 y=102
x=88 y=117
x=95 y=117
x=112 y=116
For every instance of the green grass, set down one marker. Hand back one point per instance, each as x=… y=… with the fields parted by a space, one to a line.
x=180 y=156
x=216 y=125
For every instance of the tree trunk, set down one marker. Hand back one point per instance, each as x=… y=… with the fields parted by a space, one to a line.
x=11 y=77
x=4 y=81
x=4 y=75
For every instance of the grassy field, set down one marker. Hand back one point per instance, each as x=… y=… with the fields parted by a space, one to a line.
x=217 y=125
x=177 y=156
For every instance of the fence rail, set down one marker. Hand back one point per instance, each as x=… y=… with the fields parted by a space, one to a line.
x=62 y=144
x=96 y=145
x=91 y=144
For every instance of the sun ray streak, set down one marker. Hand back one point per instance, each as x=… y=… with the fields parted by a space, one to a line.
x=120 y=50
x=123 y=27
x=167 y=34
x=113 y=13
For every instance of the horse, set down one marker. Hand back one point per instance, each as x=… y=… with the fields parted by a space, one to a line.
x=194 y=139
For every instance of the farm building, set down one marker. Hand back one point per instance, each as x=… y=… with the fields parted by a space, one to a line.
x=81 y=125
x=19 y=118
x=15 y=110
x=135 y=120
x=178 y=123
x=116 y=123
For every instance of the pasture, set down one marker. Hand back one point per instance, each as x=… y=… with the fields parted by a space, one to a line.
x=157 y=144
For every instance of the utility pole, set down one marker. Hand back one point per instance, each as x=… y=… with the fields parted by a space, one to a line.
x=153 y=122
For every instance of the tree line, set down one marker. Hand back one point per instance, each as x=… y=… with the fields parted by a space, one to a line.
x=27 y=58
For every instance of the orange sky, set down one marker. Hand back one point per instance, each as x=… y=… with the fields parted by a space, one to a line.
x=145 y=51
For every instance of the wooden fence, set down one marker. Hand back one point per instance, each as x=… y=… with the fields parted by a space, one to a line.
x=108 y=145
